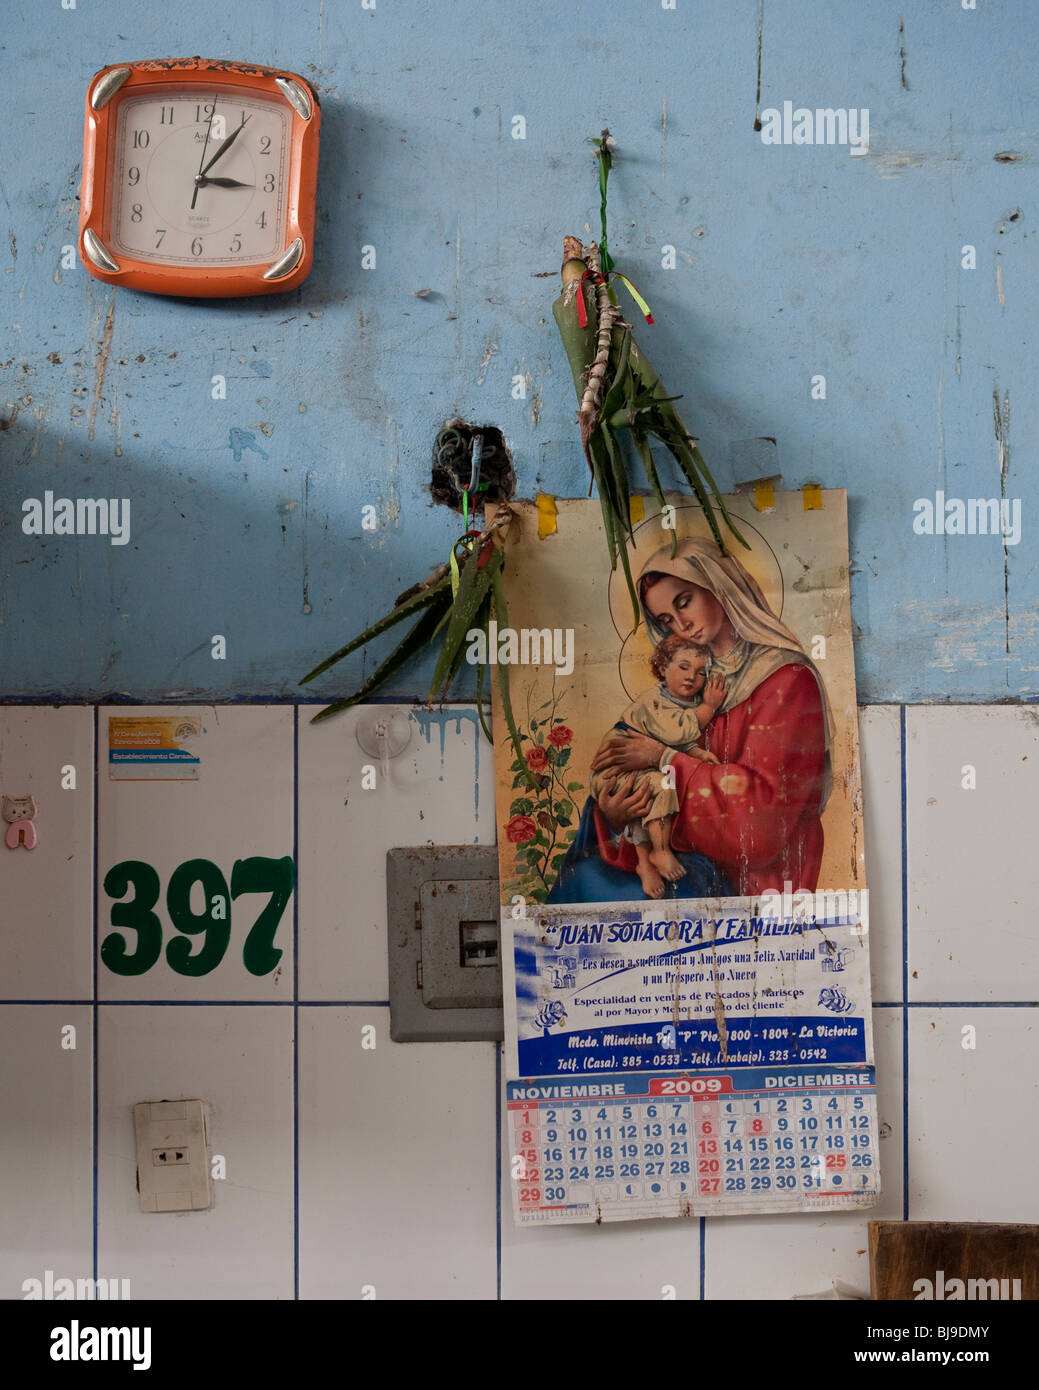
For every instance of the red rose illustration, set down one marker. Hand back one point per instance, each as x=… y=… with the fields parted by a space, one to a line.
x=537 y=758
x=560 y=736
x=521 y=829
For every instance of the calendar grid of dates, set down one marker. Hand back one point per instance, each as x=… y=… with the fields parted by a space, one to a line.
x=655 y=1145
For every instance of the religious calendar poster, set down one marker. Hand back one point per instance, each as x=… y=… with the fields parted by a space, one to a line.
x=684 y=908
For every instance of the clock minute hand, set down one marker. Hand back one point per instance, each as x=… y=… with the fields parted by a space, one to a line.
x=209 y=129
x=223 y=148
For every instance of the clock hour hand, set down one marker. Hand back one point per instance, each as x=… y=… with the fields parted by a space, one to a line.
x=223 y=148
x=204 y=182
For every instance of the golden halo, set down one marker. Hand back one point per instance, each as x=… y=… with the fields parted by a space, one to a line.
x=760 y=562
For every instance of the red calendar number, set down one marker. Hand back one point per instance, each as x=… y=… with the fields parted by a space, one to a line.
x=707 y=1146
x=758 y=1125
x=709 y=1165
x=705 y=1127
x=836 y=1161
x=709 y=1185
x=530 y=1196
x=526 y=1136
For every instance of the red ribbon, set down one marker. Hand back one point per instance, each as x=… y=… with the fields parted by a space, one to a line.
x=582 y=308
x=582 y=311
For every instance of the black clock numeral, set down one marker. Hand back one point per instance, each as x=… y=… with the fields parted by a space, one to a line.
x=133 y=175
x=141 y=139
x=268 y=183
x=160 y=232
x=207 y=109
x=261 y=221
x=162 y=115
x=236 y=243
x=136 y=213
x=265 y=144
x=196 y=246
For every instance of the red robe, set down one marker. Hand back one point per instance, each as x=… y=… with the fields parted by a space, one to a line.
x=755 y=813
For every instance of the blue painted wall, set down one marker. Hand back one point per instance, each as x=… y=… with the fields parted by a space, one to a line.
x=792 y=261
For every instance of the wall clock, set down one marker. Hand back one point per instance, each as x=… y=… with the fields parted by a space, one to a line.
x=199 y=177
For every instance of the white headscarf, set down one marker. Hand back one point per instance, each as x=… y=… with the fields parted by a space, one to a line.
x=763 y=644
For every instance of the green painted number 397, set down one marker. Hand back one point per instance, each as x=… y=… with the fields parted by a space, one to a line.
x=212 y=925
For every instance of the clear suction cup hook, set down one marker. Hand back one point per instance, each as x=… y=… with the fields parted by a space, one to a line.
x=383 y=733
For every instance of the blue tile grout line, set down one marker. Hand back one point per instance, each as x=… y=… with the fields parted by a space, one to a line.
x=905 y=971
x=498 y=1158
x=385 y=1003
x=963 y=1004
x=108 y=700
x=295 y=1005
x=93 y=1009
x=219 y=1003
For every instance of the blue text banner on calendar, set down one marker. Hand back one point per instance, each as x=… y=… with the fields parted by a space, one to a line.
x=754 y=1042
x=725 y=986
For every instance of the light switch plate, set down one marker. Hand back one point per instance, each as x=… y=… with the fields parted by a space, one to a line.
x=172 y=1160
x=444 y=944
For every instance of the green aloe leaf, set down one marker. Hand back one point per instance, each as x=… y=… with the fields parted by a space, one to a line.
x=646 y=454
x=680 y=452
x=397 y=615
x=698 y=459
x=414 y=642
x=473 y=586
x=501 y=614
x=597 y=451
x=482 y=619
x=615 y=396
x=481 y=674
x=619 y=480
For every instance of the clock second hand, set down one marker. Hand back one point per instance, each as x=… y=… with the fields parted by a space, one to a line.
x=209 y=127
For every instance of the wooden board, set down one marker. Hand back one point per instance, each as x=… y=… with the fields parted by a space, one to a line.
x=953 y=1260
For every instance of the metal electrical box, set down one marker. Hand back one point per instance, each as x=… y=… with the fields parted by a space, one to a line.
x=444 y=944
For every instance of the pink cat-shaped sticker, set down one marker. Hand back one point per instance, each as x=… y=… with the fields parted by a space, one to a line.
x=19 y=813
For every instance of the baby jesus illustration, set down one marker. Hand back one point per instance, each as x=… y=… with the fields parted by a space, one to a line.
x=675 y=712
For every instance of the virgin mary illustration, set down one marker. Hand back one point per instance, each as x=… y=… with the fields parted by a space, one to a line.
x=747 y=805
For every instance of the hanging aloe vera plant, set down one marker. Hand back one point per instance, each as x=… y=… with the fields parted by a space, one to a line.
x=458 y=598
x=623 y=403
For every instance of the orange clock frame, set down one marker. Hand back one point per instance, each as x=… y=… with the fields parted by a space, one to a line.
x=108 y=88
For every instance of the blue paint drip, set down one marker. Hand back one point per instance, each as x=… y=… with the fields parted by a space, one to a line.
x=428 y=719
x=240 y=440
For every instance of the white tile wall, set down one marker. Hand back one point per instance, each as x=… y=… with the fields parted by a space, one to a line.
x=239 y=1060
x=398 y=1175
x=240 y=807
x=880 y=735
x=972 y=1114
x=397 y=1152
x=973 y=884
x=438 y=790
x=46 y=894
x=46 y=1144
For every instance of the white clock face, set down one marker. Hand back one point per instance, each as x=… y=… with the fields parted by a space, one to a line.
x=200 y=177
